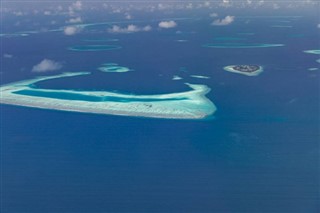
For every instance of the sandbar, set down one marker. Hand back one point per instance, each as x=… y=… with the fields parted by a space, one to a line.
x=199 y=76
x=312 y=51
x=176 y=78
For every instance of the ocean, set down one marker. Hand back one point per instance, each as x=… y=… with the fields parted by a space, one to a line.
x=259 y=152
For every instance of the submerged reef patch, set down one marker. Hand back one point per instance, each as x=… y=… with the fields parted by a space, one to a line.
x=191 y=104
x=113 y=67
x=312 y=51
x=176 y=78
x=94 y=47
x=282 y=26
x=246 y=34
x=101 y=40
x=12 y=35
x=229 y=39
x=241 y=45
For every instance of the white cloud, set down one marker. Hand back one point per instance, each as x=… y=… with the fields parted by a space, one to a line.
x=226 y=3
x=276 y=6
x=75 y=20
x=207 y=3
x=117 y=10
x=129 y=29
x=59 y=7
x=71 y=30
x=318 y=26
x=71 y=12
x=128 y=16
x=18 y=13
x=47 y=13
x=161 y=6
x=167 y=24
x=147 y=28
x=213 y=15
x=46 y=65
x=105 y=5
x=7 y=55
x=189 y=6
x=222 y=22
x=77 y=5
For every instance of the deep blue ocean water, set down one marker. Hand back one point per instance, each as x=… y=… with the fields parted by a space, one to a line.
x=260 y=152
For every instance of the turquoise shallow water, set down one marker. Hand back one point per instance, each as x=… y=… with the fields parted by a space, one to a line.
x=90 y=98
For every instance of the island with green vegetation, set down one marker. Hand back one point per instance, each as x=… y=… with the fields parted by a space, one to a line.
x=249 y=70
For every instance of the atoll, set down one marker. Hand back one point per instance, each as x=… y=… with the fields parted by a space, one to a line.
x=191 y=104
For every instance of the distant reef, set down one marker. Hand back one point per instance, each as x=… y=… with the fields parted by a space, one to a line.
x=240 y=45
x=113 y=67
x=91 y=48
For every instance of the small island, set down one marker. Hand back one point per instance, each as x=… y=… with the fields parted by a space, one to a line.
x=249 y=70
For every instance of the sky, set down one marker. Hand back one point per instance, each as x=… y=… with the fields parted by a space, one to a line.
x=64 y=12
x=12 y=6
